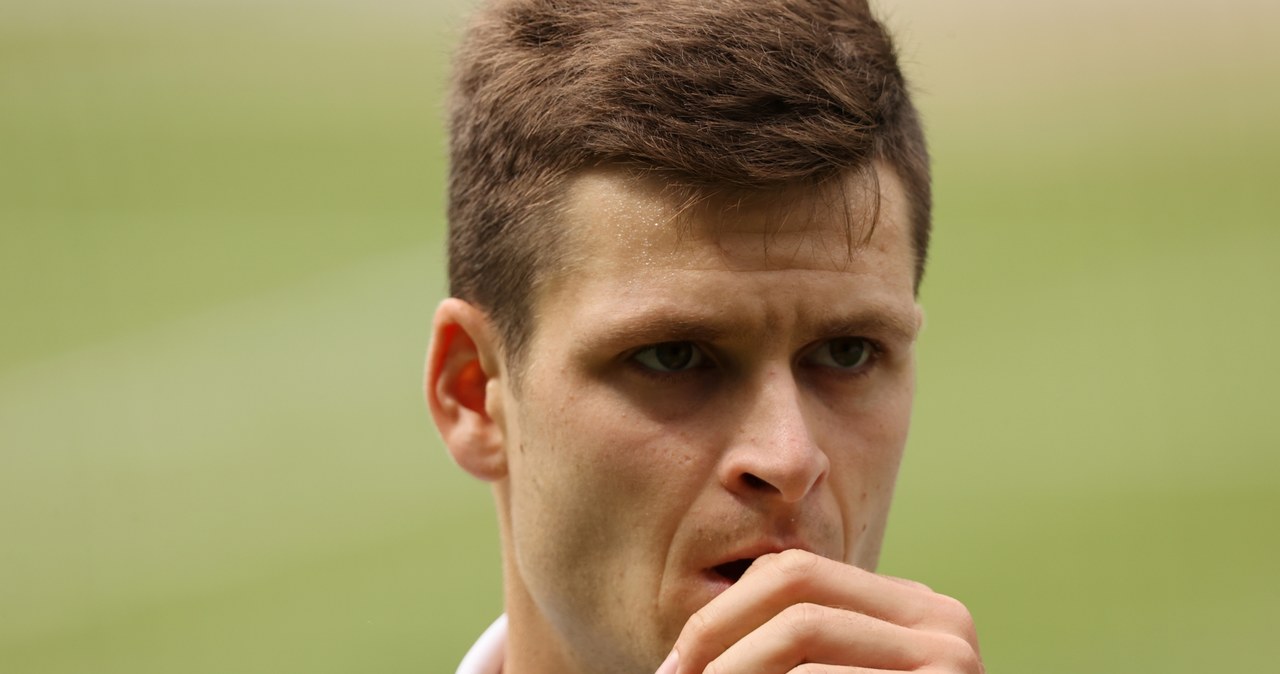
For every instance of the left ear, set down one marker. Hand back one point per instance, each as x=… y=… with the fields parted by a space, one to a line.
x=464 y=359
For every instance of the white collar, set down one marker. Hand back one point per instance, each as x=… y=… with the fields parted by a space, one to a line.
x=486 y=656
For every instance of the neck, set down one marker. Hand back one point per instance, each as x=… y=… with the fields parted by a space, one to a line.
x=534 y=645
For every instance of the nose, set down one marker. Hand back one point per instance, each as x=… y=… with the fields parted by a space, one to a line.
x=774 y=454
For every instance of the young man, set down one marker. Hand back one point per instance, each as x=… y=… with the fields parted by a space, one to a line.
x=685 y=243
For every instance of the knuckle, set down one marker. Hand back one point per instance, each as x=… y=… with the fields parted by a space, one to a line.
x=801 y=620
x=698 y=632
x=704 y=640
x=795 y=567
x=951 y=613
x=958 y=653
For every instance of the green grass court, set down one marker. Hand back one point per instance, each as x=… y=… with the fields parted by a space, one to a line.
x=220 y=228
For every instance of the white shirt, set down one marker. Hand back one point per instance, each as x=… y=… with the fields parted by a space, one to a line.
x=486 y=656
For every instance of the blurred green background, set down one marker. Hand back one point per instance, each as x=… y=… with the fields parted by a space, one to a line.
x=220 y=226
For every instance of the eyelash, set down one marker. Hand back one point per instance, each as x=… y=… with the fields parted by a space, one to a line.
x=659 y=375
x=877 y=354
x=873 y=358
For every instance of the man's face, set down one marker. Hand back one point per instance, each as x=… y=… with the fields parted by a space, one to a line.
x=696 y=396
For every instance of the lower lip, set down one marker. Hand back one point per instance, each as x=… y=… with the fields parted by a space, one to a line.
x=716 y=582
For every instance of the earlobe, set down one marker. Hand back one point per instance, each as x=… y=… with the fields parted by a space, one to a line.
x=462 y=361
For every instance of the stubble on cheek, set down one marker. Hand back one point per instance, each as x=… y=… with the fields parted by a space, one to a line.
x=869 y=503
x=592 y=530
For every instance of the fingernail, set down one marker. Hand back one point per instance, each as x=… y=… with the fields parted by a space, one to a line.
x=670 y=665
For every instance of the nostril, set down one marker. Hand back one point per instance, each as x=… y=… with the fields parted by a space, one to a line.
x=754 y=482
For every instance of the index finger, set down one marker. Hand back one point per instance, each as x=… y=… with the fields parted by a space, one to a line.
x=776 y=581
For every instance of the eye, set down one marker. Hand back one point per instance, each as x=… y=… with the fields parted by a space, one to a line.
x=670 y=357
x=843 y=353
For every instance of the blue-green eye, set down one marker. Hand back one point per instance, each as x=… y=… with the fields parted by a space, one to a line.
x=843 y=353
x=670 y=357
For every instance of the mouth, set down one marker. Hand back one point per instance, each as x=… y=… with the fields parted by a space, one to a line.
x=732 y=571
x=735 y=564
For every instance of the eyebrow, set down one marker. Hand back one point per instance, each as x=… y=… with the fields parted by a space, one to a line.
x=890 y=324
x=657 y=328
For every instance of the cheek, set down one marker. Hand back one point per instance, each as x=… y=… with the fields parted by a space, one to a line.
x=599 y=493
x=595 y=489
x=865 y=470
x=884 y=424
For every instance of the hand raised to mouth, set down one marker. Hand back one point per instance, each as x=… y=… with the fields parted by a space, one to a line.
x=796 y=611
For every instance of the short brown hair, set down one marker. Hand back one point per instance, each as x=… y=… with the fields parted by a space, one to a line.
x=713 y=95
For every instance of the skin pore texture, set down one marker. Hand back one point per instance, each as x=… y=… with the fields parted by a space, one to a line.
x=702 y=386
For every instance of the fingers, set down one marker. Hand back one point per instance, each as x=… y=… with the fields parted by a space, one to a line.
x=812 y=668
x=796 y=609
x=805 y=636
x=811 y=633
x=775 y=582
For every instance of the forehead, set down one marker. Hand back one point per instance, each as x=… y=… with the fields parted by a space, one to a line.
x=615 y=221
x=643 y=265
x=637 y=254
